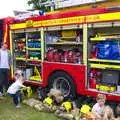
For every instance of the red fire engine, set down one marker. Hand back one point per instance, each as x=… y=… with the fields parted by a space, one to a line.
x=4 y=29
x=77 y=52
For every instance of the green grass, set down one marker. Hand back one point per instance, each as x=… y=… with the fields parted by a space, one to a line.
x=8 y=111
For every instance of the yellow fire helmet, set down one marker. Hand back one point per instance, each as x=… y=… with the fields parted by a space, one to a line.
x=67 y=105
x=85 y=109
x=27 y=91
x=48 y=100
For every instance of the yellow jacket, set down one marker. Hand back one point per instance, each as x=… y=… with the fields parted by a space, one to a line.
x=48 y=100
x=67 y=105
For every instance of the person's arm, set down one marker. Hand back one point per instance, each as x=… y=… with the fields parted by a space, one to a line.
x=21 y=85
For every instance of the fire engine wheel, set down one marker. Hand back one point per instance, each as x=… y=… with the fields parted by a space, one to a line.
x=63 y=82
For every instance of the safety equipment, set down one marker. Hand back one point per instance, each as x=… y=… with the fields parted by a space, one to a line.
x=67 y=106
x=49 y=101
x=85 y=109
x=108 y=50
x=37 y=76
x=34 y=44
x=79 y=58
x=93 y=78
x=50 y=55
x=72 y=56
x=57 y=56
x=65 y=56
x=69 y=56
x=27 y=91
x=93 y=83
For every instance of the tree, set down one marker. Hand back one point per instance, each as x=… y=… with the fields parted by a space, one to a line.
x=38 y=5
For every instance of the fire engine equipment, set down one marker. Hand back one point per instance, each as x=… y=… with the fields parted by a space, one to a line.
x=97 y=86
x=85 y=109
x=35 y=54
x=50 y=55
x=34 y=37
x=65 y=56
x=20 y=64
x=118 y=89
x=69 y=56
x=93 y=83
x=113 y=88
x=34 y=44
x=70 y=33
x=108 y=50
x=110 y=77
x=79 y=37
x=78 y=58
x=37 y=76
x=67 y=105
x=31 y=102
x=57 y=56
x=20 y=46
x=28 y=72
x=93 y=78
x=104 y=88
x=72 y=56
x=49 y=101
x=27 y=91
x=94 y=51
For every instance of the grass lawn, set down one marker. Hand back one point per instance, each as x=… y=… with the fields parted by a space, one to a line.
x=8 y=111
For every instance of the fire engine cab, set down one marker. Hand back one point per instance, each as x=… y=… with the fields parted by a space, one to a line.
x=77 y=52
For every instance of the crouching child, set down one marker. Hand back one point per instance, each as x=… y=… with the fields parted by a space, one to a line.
x=15 y=89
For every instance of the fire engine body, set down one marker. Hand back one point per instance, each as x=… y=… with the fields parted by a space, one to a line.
x=4 y=29
x=77 y=77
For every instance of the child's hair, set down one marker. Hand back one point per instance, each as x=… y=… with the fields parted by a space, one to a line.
x=101 y=97
x=107 y=113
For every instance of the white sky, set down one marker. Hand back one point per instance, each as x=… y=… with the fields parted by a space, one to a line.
x=7 y=6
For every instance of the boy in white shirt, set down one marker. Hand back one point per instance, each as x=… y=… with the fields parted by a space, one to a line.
x=15 y=89
x=99 y=106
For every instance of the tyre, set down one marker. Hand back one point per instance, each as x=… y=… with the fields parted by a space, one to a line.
x=63 y=82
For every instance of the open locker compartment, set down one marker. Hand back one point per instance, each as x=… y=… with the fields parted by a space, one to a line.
x=104 y=80
x=104 y=57
x=27 y=54
x=64 y=44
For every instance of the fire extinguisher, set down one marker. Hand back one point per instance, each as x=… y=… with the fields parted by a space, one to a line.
x=57 y=56
x=79 y=58
x=65 y=56
x=72 y=56
x=93 y=78
x=50 y=55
